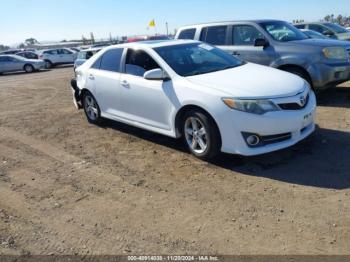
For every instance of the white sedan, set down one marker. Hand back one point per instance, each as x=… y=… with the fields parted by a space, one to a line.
x=196 y=91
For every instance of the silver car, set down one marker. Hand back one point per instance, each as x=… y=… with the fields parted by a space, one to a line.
x=322 y=62
x=14 y=63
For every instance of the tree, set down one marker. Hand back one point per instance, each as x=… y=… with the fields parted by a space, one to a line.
x=4 y=47
x=327 y=18
x=339 y=19
x=31 y=41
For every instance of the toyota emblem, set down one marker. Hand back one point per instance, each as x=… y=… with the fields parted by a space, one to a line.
x=302 y=100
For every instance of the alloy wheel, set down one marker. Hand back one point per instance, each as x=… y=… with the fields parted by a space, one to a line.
x=91 y=108
x=196 y=135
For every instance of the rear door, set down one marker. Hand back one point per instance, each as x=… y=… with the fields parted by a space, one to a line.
x=5 y=64
x=104 y=80
x=14 y=64
x=242 y=45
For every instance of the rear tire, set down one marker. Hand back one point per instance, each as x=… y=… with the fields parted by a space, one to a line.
x=29 y=68
x=201 y=135
x=91 y=108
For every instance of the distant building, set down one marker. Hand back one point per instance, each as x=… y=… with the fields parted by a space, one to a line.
x=56 y=45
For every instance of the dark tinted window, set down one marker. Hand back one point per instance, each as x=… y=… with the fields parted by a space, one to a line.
x=111 y=60
x=318 y=28
x=300 y=26
x=187 y=34
x=66 y=52
x=245 y=35
x=215 y=35
x=138 y=62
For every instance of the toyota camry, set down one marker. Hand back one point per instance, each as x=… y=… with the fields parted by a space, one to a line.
x=214 y=101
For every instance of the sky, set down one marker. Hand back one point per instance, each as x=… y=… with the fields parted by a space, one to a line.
x=48 y=20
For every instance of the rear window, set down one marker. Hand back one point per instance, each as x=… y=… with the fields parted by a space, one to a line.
x=300 y=26
x=215 y=35
x=187 y=34
x=82 y=55
x=111 y=60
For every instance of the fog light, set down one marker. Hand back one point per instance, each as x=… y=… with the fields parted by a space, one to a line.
x=253 y=140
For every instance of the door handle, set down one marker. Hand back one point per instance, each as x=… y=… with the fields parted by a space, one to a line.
x=91 y=77
x=125 y=83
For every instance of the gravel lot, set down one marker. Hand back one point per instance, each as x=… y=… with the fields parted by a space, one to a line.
x=67 y=187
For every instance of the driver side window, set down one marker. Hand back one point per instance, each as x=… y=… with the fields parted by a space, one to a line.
x=138 y=62
x=245 y=35
x=318 y=28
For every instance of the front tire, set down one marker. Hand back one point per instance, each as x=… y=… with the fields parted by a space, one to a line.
x=91 y=108
x=48 y=64
x=201 y=135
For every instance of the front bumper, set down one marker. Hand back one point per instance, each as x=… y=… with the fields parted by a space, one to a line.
x=327 y=75
x=298 y=123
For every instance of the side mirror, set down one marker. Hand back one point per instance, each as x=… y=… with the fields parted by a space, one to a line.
x=261 y=42
x=156 y=74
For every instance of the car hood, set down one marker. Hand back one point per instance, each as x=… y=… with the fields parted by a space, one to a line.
x=252 y=81
x=344 y=36
x=319 y=42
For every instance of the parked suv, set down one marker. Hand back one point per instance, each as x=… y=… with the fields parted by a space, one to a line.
x=322 y=62
x=330 y=30
x=85 y=55
x=60 y=56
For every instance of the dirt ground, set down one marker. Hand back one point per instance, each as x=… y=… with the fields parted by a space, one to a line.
x=68 y=187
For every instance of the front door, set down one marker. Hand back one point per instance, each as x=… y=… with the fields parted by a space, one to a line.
x=144 y=101
x=243 y=45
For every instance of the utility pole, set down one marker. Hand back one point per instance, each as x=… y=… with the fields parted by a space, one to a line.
x=167 y=28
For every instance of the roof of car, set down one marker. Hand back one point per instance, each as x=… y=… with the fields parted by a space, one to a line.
x=156 y=43
x=235 y=21
x=307 y=23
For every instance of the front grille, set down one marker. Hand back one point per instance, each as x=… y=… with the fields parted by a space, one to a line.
x=294 y=106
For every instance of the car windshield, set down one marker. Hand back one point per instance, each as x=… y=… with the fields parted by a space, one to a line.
x=282 y=31
x=196 y=59
x=336 y=28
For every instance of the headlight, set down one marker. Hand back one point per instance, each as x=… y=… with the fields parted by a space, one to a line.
x=251 y=106
x=335 y=52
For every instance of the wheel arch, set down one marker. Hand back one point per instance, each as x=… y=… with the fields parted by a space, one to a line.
x=28 y=64
x=186 y=108
x=284 y=67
